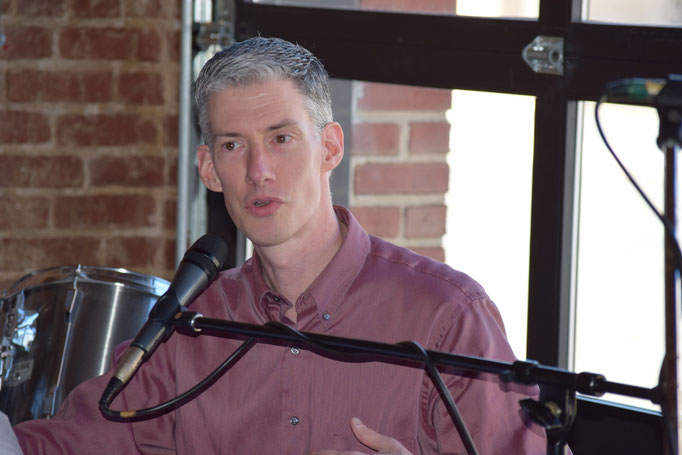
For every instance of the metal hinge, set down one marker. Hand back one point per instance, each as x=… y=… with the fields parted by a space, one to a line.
x=545 y=54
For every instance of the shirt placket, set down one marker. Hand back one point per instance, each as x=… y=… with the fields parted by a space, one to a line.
x=295 y=419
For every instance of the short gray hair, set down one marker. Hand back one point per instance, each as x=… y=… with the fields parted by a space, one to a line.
x=259 y=60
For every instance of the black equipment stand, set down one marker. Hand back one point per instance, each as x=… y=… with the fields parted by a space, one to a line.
x=668 y=103
x=555 y=410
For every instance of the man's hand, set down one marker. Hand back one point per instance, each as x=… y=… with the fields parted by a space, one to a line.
x=384 y=445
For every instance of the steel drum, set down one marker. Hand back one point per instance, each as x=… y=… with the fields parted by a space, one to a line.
x=58 y=327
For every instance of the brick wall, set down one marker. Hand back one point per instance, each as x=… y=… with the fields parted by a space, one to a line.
x=398 y=164
x=399 y=170
x=88 y=135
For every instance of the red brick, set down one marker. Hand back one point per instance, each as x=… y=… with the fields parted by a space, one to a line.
x=170 y=130
x=18 y=212
x=34 y=8
x=131 y=253
x=40 y=171
x=141 y=88
x=436 y=253
x=147 y=8
x=148 y=47
x=169 y=259
x=27 y=85
x=26 y=42
x=145 y=171
x=108 y=43
x=408 y=178
x=429 y=6
x=170 y=212
x=425 y=221
x=18 y=127
x=375 y=139
x=119 y=129
x=34 y=85
x=3 y=86
x=96 y=87
x=433 y=138
x=376 y=96
x=39 y=253
x=96 y=8
x=173 y=169
x=173 y=43
x=105 y=211
x=379 y=221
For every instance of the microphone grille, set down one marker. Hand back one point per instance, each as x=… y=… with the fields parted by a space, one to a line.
x=210 y=252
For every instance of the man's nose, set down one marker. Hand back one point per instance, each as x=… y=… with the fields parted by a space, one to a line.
x=259 y=166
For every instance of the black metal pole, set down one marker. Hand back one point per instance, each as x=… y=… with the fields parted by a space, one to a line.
x=671 y=364
x=523 y=372
x=669 y=106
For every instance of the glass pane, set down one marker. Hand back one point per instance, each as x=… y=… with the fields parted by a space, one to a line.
x=488 y=229
x=619 y=328
x=488 y=8
x=650 y=12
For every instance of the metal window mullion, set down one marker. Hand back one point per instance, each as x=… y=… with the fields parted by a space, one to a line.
x=555 y=125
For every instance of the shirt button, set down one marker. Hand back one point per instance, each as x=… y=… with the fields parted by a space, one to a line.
x=295 y=350
x=294 y=420
x=326 y=316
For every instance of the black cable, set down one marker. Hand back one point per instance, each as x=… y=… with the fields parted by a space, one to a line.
x=669 y=229
x=442 y=389
x=670 y=232
x=180 y=400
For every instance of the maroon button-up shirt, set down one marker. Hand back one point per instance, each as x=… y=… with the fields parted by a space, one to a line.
x=286 y=399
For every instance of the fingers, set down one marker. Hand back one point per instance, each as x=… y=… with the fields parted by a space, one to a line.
x=374 y=440
x=370 y=438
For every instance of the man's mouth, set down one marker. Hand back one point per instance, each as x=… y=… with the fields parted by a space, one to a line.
x=261 y=203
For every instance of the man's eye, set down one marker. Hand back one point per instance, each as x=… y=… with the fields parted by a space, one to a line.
x=282 y=138
x=229 y=146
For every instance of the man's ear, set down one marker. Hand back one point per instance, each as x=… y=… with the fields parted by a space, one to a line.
x=207 y=171
x=332 y=142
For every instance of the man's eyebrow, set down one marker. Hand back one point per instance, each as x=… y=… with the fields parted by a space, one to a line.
x=283 y=124
x=226 y=134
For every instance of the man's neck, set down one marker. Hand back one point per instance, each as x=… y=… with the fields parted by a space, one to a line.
x=291 y=268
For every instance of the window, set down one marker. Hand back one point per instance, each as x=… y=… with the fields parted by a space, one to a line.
x=489 y=199
x=620 y=326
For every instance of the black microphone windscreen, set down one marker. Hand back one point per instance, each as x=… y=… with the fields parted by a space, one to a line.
x=214 y=255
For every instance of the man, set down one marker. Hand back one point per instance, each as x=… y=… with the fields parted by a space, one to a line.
x=264 y=109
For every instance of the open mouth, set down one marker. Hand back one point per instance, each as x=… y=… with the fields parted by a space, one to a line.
x=261 y=203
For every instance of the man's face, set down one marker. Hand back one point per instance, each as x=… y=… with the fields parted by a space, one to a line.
x=267 y=160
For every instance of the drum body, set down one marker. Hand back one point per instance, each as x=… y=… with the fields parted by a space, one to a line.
x=59 y=326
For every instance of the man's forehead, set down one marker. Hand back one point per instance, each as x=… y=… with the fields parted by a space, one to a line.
x=268 y=105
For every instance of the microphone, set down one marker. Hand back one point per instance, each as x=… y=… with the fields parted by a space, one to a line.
x=198 y=268
x=636 y=90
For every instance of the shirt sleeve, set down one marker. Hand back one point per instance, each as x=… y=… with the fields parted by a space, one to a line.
x=489 y=407
x=80 y=427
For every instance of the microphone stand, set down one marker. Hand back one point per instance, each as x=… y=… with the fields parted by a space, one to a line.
x=669 y=106
x=555 y=410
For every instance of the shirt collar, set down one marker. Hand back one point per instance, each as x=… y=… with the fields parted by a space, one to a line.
x=330 y=286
